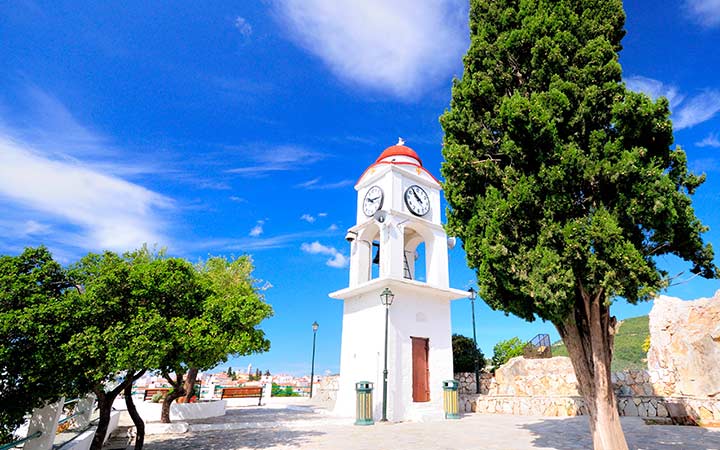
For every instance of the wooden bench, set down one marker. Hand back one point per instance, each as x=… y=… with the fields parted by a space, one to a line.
x=150 y=393
x=243 y=392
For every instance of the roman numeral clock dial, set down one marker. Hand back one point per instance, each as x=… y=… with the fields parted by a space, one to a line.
x=417 y=200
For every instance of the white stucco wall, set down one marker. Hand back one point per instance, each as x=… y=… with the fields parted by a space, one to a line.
x=417 y=311
x=150 y=412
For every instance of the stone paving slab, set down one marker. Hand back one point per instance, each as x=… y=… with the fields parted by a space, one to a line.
x=305 y=429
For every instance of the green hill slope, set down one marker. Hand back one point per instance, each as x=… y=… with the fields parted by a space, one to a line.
x=629 y=341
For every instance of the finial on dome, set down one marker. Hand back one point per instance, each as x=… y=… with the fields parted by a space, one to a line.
x=400 y=141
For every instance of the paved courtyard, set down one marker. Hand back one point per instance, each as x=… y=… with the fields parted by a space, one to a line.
x=302 y=427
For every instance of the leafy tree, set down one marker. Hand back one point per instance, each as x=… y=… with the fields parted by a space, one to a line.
x=229 y=372
x=267 y=373
x=121 y=332
x=465 y=354
x=562 y=183
x=504 y=350
x=204 y=333
x=34 y=322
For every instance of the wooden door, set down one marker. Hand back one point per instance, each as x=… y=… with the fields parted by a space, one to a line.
x=421 y=370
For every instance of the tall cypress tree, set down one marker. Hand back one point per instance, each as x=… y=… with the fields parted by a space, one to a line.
x=562 y=184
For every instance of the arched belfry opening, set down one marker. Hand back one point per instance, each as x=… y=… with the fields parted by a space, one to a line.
x=414 y=254
x=367 y=246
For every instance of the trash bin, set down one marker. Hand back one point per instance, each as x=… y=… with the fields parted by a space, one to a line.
x=364 y=407
x=450 y=399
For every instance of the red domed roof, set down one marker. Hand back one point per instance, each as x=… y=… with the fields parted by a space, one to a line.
x=398 y=150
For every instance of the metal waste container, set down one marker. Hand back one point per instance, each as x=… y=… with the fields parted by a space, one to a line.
x=364 y=406
x=450 y=399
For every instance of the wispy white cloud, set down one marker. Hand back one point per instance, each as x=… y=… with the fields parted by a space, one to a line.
x=237 y=199
x=399 y=47
x=704 y=12
x=333 y=227
x=42 y=121
x=243 y=26
x=322 y=214
x=686 y=113
x=710 y=140
x=698 y=109
x=655 y=89
x=307 y=218
x=315 y=184
x=337 y=259
x=108 y=212
x=257 y=230
x=264 y=161
x=247 y=244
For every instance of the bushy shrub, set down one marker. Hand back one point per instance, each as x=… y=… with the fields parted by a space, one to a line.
x=504 y=350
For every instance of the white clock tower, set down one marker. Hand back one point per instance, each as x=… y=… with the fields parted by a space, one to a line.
x=398 y=243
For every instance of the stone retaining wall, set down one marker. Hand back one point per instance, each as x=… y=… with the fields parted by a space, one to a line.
x=466 y=382
x=548 y=387
x=682 y=410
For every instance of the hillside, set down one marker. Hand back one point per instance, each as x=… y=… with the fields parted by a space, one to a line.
x=629 y=341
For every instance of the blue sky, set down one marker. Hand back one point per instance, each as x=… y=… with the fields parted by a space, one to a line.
x=240 y=127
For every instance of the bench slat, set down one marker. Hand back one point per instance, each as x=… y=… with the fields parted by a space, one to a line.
x=242 y=392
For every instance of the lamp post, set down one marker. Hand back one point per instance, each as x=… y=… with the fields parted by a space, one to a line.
x=312 y=369
x=477 y=363
x=386 y=298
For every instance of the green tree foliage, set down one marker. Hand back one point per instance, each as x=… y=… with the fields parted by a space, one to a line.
x=34 y=323
x=279 y=391
x=110 y=318
x=465 y=354
x=561 y=183
x=128 y=316
x=504 y=350
x=224 y=322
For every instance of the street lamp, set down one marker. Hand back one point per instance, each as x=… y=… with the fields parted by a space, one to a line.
x=312 y=369
x=386 y=298
x=477 y=363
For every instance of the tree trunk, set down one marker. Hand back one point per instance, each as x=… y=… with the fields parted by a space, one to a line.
x=588 y=336
x=177 y=392
x=104 y=407
x=105 y=401
x=190 y=383
x=137 y=420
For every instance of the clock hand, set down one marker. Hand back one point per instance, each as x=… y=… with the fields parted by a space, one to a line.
x=416 y=196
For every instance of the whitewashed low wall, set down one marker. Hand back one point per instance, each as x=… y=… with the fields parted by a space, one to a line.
x=84 y=441
x=81 y=442
x=150 y=412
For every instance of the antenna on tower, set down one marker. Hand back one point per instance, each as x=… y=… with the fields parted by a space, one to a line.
x=401 y=141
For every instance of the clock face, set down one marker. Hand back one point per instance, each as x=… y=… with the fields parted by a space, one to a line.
x=417 y=200
x=373 y=200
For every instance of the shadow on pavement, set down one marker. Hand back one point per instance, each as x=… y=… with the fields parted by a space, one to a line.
x=573 y=433
x=554 y=433
x=236 y=439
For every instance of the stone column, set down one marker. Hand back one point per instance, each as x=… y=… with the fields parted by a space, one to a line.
x=44 y=420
